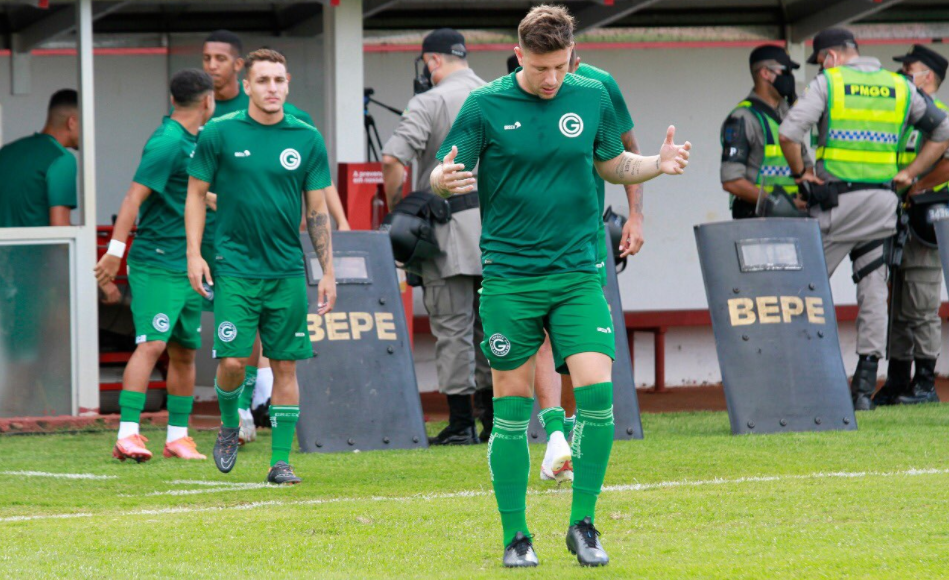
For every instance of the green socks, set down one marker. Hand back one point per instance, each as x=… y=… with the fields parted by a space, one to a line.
x=228 y=401
x=551 y=419
x=509 y=462
x=568 y=424
x=283 y=420
x=179 y=410
x=592 y=443
x=247 y=395
x=131 y=405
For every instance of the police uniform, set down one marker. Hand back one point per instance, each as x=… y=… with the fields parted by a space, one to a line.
x=861 y=111
x=451 y=279
x=749 y=138
x=916 y=330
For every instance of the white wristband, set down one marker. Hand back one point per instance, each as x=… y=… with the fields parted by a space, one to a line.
x=116 y=248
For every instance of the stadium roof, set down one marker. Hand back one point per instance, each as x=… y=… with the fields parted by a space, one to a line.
x=28 y=23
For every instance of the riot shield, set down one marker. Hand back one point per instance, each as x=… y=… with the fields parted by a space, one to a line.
x=775 y=328
x=359 y=391
x=625 y=403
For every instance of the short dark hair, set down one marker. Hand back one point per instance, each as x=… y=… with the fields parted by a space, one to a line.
x=546 y=29
x=189 y=86
x=263 y=55
x=227 y=37
x=63 y=99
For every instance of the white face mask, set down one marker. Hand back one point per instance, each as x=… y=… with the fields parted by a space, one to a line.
x=917 y=75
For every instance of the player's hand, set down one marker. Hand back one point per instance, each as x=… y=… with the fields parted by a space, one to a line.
x=902 y=180
x=673 y=158
x=110 y=294
x=810 y=177
x=326 y=293
x=210 y=200
x=453 y=179
x=632 y=236
x=198 y=272
x=799 y=203
x=106 y=269
x=344 y=227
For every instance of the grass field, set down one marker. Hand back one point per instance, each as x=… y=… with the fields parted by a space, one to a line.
x=689 y=501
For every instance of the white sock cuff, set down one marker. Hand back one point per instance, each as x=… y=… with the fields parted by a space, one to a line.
x=127 y=428
x=175 y=433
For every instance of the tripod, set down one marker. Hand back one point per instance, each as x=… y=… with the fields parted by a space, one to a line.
x=373 y=141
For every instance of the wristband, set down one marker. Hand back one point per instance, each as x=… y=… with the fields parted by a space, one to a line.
x=798 y=175
x=116 y=248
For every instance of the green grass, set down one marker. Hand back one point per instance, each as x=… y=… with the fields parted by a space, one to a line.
x=404 y=514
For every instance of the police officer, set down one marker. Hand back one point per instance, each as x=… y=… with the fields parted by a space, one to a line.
x=451 y=279
x=915 y=331
x=861 y=112
x=751 y=156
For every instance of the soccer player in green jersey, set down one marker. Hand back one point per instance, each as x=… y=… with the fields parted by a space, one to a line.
x=260 y=161
x=221 y=57
x=537 y=134
x=555 y=392
x=39 y=173
x=167 y=313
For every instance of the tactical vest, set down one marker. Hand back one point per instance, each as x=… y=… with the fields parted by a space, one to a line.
x=866 y=115
x=774 y=168
x=913 y=141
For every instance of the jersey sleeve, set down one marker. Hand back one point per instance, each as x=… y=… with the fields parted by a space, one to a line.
x=61 y=181
x=623 y=120
x=204 y=164
x=467 y=133
x=318 y=169
x=158 y=162
x=607 y=144
x=411 y=136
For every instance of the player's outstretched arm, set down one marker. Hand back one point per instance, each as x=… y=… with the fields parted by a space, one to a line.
x=108 y=266
x=195 y=217
x=629 y=168
x=318 y=226
x=450 y=178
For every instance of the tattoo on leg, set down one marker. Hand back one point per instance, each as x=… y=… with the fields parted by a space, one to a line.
x=318 y=226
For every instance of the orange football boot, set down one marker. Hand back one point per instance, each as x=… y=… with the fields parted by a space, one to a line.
x=132 y=447
x=184 y=448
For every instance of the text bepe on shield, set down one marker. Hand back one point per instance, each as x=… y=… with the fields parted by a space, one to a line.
x=775 y=310
x=351 y=326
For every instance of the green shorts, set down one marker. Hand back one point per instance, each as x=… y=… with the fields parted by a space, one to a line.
x=601 y=255
x=164 y=306
x=277 y=308
x=571 y=307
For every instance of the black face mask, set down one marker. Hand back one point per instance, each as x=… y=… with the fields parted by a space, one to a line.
x=423 y=78
x=784 y=84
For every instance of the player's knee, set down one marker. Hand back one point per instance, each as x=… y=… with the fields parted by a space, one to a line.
x=283 y=368
x=180 y=355
x=232 y=366
x=151 y=349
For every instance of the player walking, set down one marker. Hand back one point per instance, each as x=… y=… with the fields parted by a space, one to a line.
x=260 y=160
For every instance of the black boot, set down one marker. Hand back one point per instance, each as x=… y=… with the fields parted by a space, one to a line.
x=924 y=384
x=864 y=382
x=460 y=429
x=486 y=398
x=897 y=383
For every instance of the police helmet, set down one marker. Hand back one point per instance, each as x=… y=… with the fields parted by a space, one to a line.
x=924 y=209
x=614 y=226
x=412 y=238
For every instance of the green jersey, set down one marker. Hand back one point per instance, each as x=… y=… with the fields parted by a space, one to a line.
x=259 y=173
x=160 y=238
x=38 y=173
x=535 y=182
x=222 y=108
x=623 y=120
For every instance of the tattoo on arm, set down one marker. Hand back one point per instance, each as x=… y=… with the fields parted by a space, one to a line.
x=638 y=202
x=657 y=163
x=318 y=226
x=628 y=166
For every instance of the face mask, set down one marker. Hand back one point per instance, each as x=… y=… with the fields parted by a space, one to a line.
x=784 y=84
x=423 y=77
x=911 y=76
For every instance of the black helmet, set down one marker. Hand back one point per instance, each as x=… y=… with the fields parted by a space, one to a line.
x=778 y=204
x=923 y=210
x=614 y=228
x=412 y=237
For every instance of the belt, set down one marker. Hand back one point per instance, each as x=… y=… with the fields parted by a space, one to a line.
x=463 y=202
x=848 y=186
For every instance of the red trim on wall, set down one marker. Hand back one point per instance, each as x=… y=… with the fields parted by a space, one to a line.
x=146 y=51
x=509 y=47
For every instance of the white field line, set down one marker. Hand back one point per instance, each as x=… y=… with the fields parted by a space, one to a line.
x=462 y=494
x=58 y=475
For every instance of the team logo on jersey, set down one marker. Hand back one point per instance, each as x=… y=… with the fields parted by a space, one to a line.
x=290 y=159
x=571 y=125
x=161 y=322
x=499 y=344
x=227 y=331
